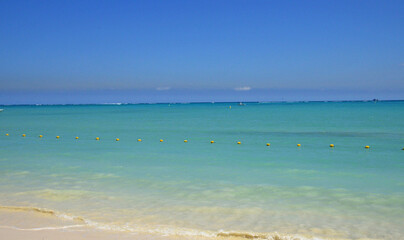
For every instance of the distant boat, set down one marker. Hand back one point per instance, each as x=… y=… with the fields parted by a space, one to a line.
x=241 y=104
x=1 y=110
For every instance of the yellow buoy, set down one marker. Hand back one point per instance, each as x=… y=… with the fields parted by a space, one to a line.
x=7 y=134
x=230 y=107
x=367 y=146
x=57 y=137
x=331 y=145
x=238 y=142
x=161 y=140
x=23 y=135
x=117 y=139
x=40 y=136
x=97 y=138
x=139 y=140
x=185 y=140
x=299 y=145
x=268 y=144
x=212 y=141
x=77 y=137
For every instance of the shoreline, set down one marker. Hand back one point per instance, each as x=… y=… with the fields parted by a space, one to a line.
x=39 y=223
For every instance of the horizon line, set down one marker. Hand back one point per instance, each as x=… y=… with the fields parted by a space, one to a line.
x=202 y=102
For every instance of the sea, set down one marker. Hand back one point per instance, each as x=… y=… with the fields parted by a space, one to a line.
x=210 y=169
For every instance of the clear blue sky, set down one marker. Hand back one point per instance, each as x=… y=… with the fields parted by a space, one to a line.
x=140 y=51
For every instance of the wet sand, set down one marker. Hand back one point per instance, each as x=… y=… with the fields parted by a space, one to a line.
x=22 y=224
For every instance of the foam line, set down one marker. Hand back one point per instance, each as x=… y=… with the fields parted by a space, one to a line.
x=43 y=228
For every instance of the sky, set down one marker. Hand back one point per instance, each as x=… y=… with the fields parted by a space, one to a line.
x=168 y=51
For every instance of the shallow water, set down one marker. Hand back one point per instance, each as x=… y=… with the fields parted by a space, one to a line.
x=173 y=187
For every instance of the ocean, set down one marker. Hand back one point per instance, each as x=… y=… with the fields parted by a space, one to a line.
x=198 y=188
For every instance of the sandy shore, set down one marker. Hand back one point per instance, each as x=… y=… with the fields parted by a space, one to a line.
x=32 y=225
x=84 y=233
x=87 y=234
x=13 y=234
x=22 y=225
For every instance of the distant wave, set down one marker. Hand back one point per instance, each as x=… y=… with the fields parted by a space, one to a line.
x=158 y=230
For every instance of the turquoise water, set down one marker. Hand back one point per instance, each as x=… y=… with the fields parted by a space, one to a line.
x=199 y=188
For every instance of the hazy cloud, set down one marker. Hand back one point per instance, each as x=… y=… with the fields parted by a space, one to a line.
x=243 y=88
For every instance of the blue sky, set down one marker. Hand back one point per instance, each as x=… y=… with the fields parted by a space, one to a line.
x=146 y=51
